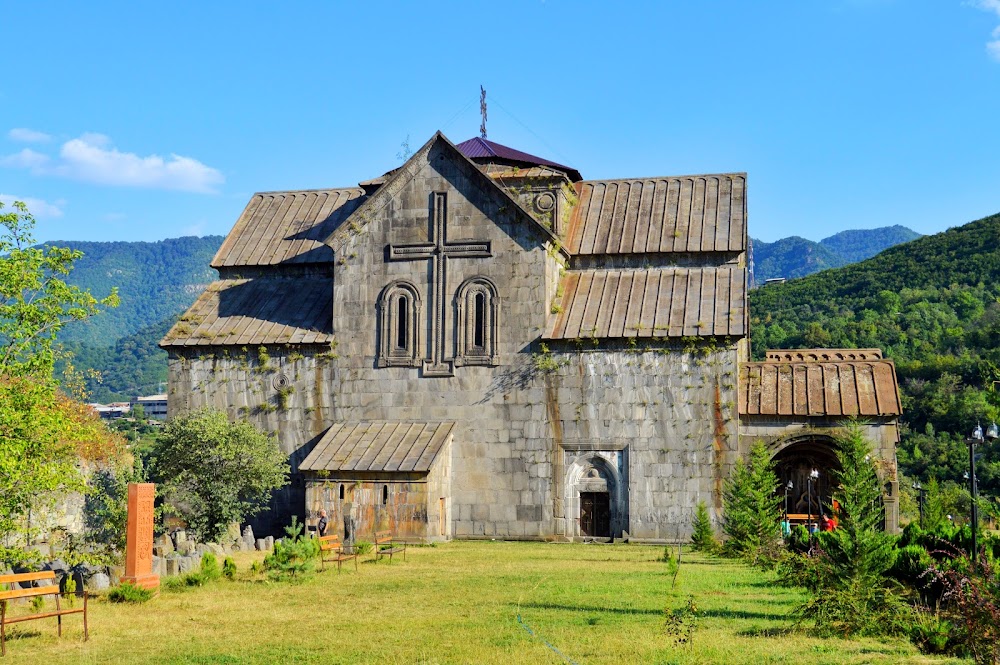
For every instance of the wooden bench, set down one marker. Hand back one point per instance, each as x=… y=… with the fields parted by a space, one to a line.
x=386 y=546
x=331 y=550
x=15 y=592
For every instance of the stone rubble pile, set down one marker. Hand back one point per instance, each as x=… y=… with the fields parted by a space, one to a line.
x=173 y=554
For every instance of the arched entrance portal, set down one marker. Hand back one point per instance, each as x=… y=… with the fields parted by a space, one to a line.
x=794 y=462
x=595 y=496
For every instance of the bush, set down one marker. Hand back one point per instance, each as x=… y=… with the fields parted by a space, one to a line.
x=210 y=567
x=932 y=634
x=363 y=547
x=126 y=592
x=229 y=568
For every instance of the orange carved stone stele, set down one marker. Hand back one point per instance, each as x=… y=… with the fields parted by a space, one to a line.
x=139 y=536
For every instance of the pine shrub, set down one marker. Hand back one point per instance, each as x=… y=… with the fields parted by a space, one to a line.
x=229 y=568
x=855 y=595
x=126 y=592
x=752 y=509
x=702 y=533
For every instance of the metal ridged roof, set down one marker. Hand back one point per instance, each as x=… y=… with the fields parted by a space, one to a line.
x=821 y=355
x=704 y=213
x=480 y=148
x=257 y=311
x=662 y=302
x=287 y=227
x=378 y=446
x=842 y=389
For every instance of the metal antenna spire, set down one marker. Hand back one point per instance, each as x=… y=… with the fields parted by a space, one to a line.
x=482 y=110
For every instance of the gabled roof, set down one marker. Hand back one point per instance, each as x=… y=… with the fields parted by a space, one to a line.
x=397 y=179
x=703 y=213
x=480 y=148
x=257 y=311
x=379 y=446
x=841 y=389
x=662 y=302
x=287 y=227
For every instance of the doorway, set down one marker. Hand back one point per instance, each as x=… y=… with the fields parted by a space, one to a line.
x=595 y=514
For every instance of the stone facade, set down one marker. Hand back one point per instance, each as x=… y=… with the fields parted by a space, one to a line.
x=456 y=297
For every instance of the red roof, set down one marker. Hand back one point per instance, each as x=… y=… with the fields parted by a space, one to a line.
x=478 y=148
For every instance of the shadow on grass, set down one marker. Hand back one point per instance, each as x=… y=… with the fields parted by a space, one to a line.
x=743 y=614
x=757 y=631
x=589 y=608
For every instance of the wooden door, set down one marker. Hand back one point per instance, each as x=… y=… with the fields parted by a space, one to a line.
x=595 y=514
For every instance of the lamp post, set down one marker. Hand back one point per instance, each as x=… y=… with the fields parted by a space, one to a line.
x=921 y=496
x=976 y=439
x=813 y=477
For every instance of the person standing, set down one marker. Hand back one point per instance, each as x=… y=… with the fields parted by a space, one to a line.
x=321 y=525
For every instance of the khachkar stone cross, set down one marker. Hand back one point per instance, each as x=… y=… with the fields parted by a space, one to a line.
x=139 y=536
x=439 y=250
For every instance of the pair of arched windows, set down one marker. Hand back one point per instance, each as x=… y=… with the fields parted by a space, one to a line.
x=477 y=310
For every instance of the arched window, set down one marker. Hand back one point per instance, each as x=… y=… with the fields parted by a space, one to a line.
x=477 y=309
x=341 y=491
x=385 y=495
x=399 y=334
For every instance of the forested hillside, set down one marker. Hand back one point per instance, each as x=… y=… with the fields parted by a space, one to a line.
x=135 y=365
x=858 y=245
x=933 y=306
x=156 y=280
x=797 y=257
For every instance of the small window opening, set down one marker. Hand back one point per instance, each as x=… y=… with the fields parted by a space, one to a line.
x=401 y=322
x=479 y=333
x=341 y=491
x=385 y=494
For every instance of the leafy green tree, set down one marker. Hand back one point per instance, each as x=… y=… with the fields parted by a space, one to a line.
x=702 y=533
x=854 y=596
x=35 y=300
x=44 y=434
x=751 y=507
x=216 y=472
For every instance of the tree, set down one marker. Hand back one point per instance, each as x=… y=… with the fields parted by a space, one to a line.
x=702 y=533
x=751 y=507
x=35 y=300
x=215 y=472
x=854 y=596
x=44 y=433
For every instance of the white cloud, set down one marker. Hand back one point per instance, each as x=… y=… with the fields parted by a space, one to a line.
x=93 y=158
x=37 y=207
x=26 y=159
x=993 y=46
x=25 y=135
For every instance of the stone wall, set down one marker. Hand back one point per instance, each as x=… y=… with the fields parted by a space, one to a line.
x=658 y=424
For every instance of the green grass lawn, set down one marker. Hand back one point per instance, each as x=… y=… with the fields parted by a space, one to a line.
x=460 y=603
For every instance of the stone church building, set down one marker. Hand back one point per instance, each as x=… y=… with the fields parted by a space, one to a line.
x=482 y=344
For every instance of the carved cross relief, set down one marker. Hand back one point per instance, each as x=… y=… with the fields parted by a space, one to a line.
x=438 y=250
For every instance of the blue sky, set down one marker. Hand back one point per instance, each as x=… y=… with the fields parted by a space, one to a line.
x=133 y=121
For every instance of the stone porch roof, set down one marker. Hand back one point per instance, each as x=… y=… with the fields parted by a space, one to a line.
x=379 y=446
x=843 y=389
